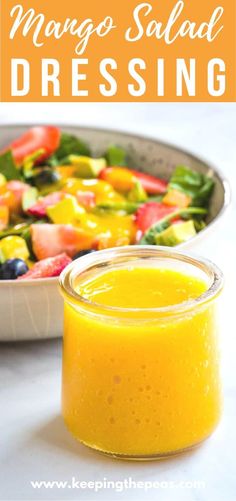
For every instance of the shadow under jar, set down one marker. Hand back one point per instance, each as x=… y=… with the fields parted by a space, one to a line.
x=140 y=356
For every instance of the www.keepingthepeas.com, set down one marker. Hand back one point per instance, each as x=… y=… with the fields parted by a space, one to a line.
x=116 y=485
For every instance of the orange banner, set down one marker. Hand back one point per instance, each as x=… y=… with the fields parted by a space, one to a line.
x=158 y=50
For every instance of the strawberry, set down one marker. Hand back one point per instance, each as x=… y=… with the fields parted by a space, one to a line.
x=17 y=189
x=39 y=209
x=50 y=267
x=43 y=137
x=151 y=212
x=152 y=185
x=86 y=198
x=49 y=240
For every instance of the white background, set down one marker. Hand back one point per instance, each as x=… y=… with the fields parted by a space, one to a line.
x=34 y=444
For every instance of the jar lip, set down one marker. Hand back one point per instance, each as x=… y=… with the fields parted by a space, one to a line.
x=98 y=258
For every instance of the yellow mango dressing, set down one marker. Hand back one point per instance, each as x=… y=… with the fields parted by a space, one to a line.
x=140 y=357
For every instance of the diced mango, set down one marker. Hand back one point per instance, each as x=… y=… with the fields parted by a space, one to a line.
x=177 y=199
x=3 y=183
x=102 y=190
x=9 y=200
x=4 y=217
x=106 y=241
x=65 y=171
x=110 y=197
x=13 y=247
x=110 y=230
x=121 y=178
x=66 y=211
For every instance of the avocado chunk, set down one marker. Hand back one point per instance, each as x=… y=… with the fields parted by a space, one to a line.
x=87 y=167
x=137 y=194
x=29 y=198
x=29 y=162
x=176 y=234
x=3 y=180
x=65 y=211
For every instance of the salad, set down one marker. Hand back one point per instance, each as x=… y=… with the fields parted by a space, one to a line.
x=58 y=202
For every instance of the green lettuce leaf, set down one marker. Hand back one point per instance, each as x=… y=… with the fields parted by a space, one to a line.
x=8 y=167
x=115 y=155
x=194 y=184
x=69 y=144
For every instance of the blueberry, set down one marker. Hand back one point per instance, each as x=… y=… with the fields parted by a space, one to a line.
x=83 y=253
x=13 y=268
x=46 y=176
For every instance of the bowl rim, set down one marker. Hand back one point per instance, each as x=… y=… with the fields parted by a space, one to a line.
x=224 y=181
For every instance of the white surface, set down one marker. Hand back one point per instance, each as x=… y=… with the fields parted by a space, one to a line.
x=34 y=445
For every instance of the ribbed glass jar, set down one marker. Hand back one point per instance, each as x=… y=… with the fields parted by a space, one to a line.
x=141 y=383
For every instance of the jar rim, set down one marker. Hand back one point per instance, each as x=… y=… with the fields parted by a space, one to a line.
x=98 y=258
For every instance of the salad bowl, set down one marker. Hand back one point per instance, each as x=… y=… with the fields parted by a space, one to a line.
x=33 y=309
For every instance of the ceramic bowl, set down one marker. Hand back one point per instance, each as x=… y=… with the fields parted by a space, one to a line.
x=33 y=309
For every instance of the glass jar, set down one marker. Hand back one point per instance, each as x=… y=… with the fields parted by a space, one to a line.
x=141 y=383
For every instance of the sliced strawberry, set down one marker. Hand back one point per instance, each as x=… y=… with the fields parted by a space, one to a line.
x=138 y=236
x=49 y=240
x=152 y=185
x=151 y=212
x=36 y=138
x=86 y=198
x=50 y=267
x=39 y=209
x=17 y=188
